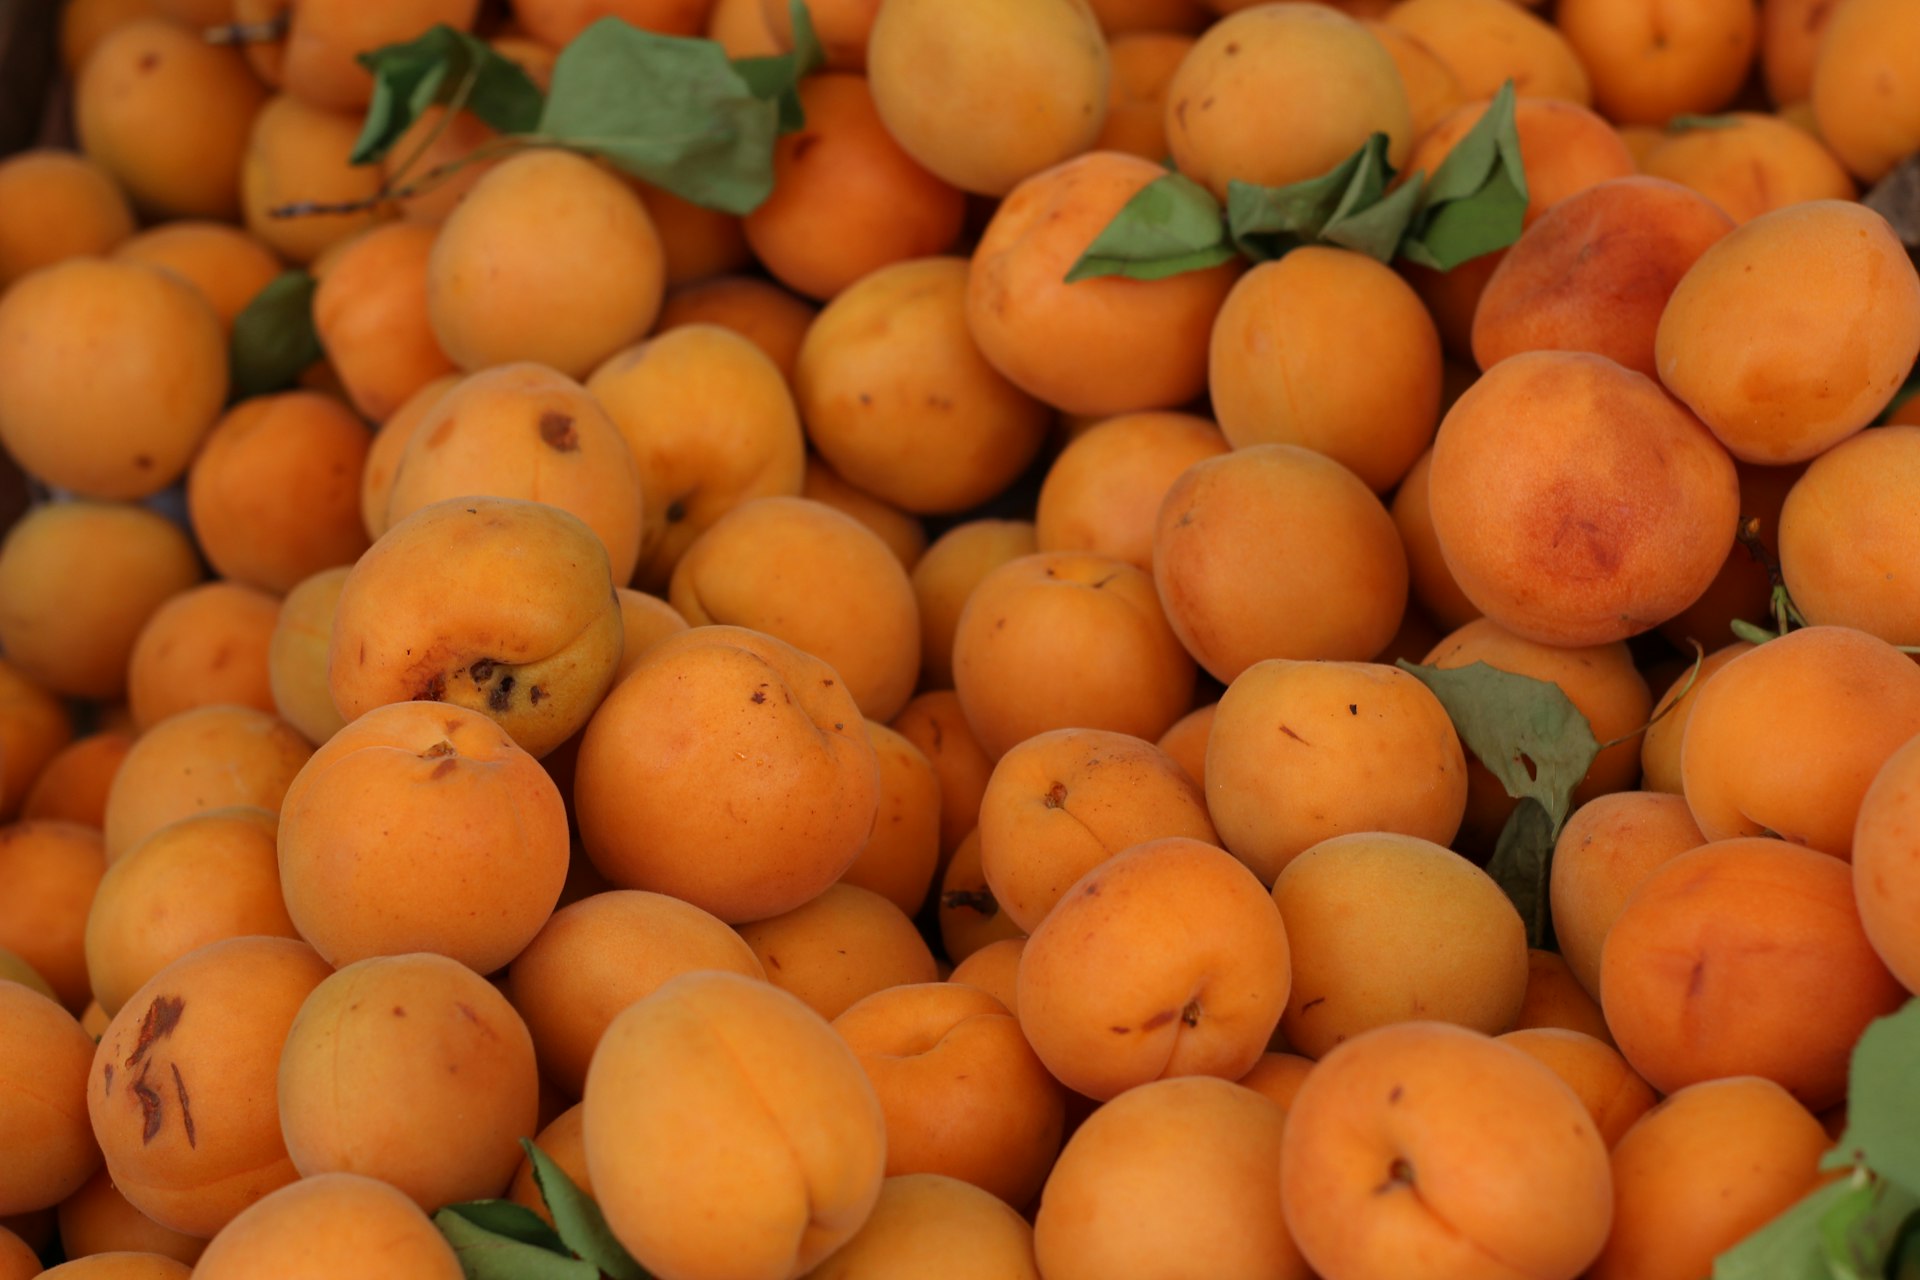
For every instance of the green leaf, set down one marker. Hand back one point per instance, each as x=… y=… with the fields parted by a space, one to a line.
x=1527 y=731
x=1267 y=222
x=1683 y=123
x=1883 y=1100
x=579 y=1220
x=439 y=67
x=487 y=1255
x=1476 y=201
x=1170 y=226
x=273 y=336
x=1791 y=1247
x=1522 y=865
x=670 y=110
x=511 y=1219
x=1861 y=1230
x=777 y=78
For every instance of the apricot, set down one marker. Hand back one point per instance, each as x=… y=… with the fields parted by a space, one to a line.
x=1397 y=1130
x=389 y=442
x=168 y=115
x=1275 y=551
x=1600 y=681
x=1485 y=43
x=900 y=401
x=182 y=1094
x=1278 y=94
x=207 y=758
x=758 y=310
x=1103 y=491
x=370 y=314
x=51 y=870
x=944 y=577
x=1329 y=349
x=1703 y=1170
x=204 y=647
x=1061 y=803
x=1852 y=700
x=1302 y=751
x=986 y=95
x=1866 y=110
x=1174 y=1175
x=1649 y=65
x=525 y=431
x=329 y=1225
x=1595 y=271
x=1651 y=492
x=1607 y=847
x=317 y=59
x=84 y=23
x=72 y=787
x=110 y=374
x=1790 y=32
x=297 y=656
x=34 y=726
x=564 y=1141
x=1097 y=346
x=1430 y=581
x=497 y=605
x=297 y=154
x=902 y=533
x=696 y=242
x=937 y=1228
x=1751 y=165
x=962 y=1092
x=1614 y=1096
x=1278 y=1076
x=43 y=1092
x=18 y=1260
x=902 y=856
x=1144 y=63
x=994 y=969
x=1065 y=639
x=550 y=258
x=1744 y=957
x=711 y=424
x=98 y=1219
x=1847 y=537
x=1431 y=87
x=839 y=947
x=596 y=956
x=121 y=1265
x=970 y=917
x=935 y=723
x=1666 y=730
x=1556 y=1000
x=365 y=1086
x=1743 y=589
x=1825 y=362
x=1186 y=743
x=717 y=1052
x=729 y=769
x=422 y=827
x=1392 y=928
x=847 y=199
x=1886 y=870
x=56 y=205
x=1174 y=942
x=557 y=22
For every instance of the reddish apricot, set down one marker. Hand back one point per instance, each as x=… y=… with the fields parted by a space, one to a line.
x=73 y=786
x=51 y=870
x=206 y=758
x=1848 y=542
x=1614 y=1096
x=206 y=646
x=1607 y=847
x=1385 y=1169
x=1744 y=957
x=1274 y=551
x=935 y=723
x=1886 y=862
x=330 y=1225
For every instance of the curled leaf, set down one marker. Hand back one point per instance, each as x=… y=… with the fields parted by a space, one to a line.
x=1476 y=201
x=1522 y=865
x=777 y=78
x=488 y=1255
x=446 y=67
x=577 y=1218
x=1341 y=206
x=1170 y=226
x=1883 y=1099
x=511 y=1219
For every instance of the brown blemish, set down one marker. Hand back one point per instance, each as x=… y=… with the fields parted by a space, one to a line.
x=1120 y=1031
x=502 y=695
x=1696 y=979
x=161 y=1017
x=1296 y=737
x=186 y=1112
x=148 y=61
x=434 y=690
x=535 y=693
x=106 y=1076
x=442 y=769
x=143 y=461
x=557 y=433
x=1159 y=1019
x=1056 y=797
x=759 y=696
x=482 y=670
x=1353 y=708
x=676 y=511
x=773 y=961
x=803 y=144
x=398 y=1012
x=150 y=1114
x=980 y=900
x=1394 y=1095
x=439 y=749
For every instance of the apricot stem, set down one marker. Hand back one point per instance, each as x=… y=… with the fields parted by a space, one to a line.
x=980 y=900
x=1693 y=675
x=269 y=31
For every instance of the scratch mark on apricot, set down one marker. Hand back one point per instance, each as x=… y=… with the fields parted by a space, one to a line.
x=1120 y=1031
x=106 y=1076
x=1696 y=979
x=186 y=1111
x=1296 y=737
x=1309 y=1004
x=161 y=1017
x=150 y=1113
x=1159 y=1019
x=557 y=433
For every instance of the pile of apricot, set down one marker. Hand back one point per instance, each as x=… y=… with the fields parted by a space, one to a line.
x=886 y=763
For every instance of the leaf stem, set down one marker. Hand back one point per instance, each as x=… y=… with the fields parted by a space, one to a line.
x=270 y=31
x=505 y=144
x=1693 y=676
x=456 y=103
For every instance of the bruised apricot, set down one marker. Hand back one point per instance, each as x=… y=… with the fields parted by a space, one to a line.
x=365 y=1085
x=44 y=1060
x=534 y=644
x=714 y=1053
x=182 y=1092
x=329 y=1225
x=1168 y=959
x=729 y=769
x=206 y=758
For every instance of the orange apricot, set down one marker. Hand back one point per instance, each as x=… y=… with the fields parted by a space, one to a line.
x=557 y=22
x=34 y=726
x=1278 y=1077
x=758 y=310
x=1650 y=64
x=85 y=23
x=317 y=59
x=206 y=646
x=98 y=1219
x=1174 y=1175
x=51 y=870
x=44 y=1061
x=121 y=1265
x=389 y=442
x=902 y=855
x=1097 y=346
x=1429 y=580
x=1614 y=1096
x=1743 y=589
x=970 y=918
x=1144 y=64
x=1886 y=862
x=1826 y=361
x=297 y=154
x=564 y=1141
x=56 y=205
x=1565 y=148
x=1186 y=743
x=1607 y=847
x=1847 y=538
x=935 y=723
x=182 y=1093
x=1328 y=349
x=994 y=969
x=1395 y=1130
x=1867 y=110
x=839 y=947
x=841 y=27
x=903 y=533
x=937 y=1228
x=370 y=314
x=1790 y=32
x=696 y=242
x=719 y=1053
x=1168 y=959
x=1750 y=164
x=1275 y=551
x=297 y=656
x=329 y=1225
x=1432 y=88
x=1556 y=1000
x=73 y=785
x=1104 y=490
x=1485 y=43
x=847 y=198
x=944 y=577
x=207 y=758
x=1667 y=728
x=1744 y=957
